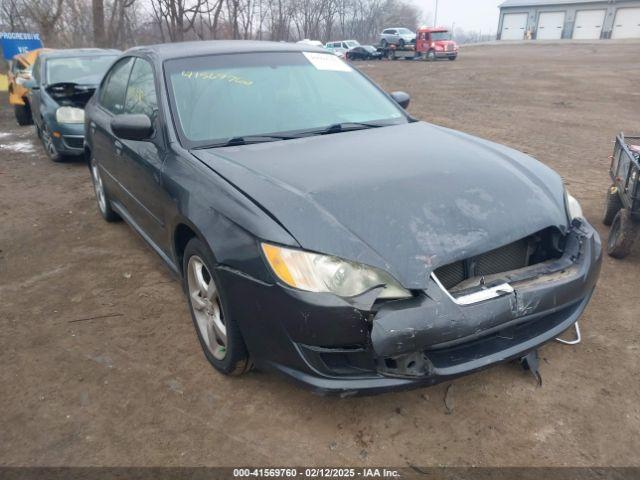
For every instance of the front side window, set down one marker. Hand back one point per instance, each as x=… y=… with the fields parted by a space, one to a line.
x=225 y=96
x=437 y=36
x=141 y=91
x=114 y=86
x=84 y=70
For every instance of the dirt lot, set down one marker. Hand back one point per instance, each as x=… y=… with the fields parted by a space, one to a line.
x=133 y=388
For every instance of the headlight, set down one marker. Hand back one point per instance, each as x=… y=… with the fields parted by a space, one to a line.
x=70 y=115
x=323 y=273
x=573 y=207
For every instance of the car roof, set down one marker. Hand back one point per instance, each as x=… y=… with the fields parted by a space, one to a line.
x=167 y=51
x=80 y=52
x=433 y=29
x=29 y=58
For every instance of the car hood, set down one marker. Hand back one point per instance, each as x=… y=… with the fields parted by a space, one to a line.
x=406 y=198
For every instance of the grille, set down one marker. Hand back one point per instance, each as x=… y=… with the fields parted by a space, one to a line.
x=510 y=257
x=452 y=274
x=74 y=142
x=449 y=48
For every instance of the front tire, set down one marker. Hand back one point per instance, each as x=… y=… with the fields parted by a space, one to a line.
x=23 y=114
x=104 y=203
x=219 y=335
x=622 y=235
x=612 y=205
x=49 y=146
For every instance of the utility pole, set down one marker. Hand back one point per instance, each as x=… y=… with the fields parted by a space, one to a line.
x=435 y=16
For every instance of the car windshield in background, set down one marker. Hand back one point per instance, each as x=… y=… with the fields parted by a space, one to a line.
x=440 y=36
x=84 y=70
x=370 y=48
x=352 y=44
x=405 y=31
x=220 y=97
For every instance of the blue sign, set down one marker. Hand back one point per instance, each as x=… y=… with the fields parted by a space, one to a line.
x=14 y=43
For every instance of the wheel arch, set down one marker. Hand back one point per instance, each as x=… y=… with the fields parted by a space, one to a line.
x=87 y=155
x=183 y=232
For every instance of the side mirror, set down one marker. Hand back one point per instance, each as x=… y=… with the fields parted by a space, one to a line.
x=132 y=126
x=401 y=98
x=29 y=83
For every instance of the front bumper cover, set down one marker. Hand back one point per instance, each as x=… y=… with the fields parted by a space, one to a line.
x=337 y=347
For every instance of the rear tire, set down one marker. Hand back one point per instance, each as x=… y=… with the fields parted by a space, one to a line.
x=401 y=43
x=622 y=235
x=612 y=206
x=383 y=43
x=219 y=335
x=23 y=114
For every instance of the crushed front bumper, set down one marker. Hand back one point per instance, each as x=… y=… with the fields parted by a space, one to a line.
x=337 y=347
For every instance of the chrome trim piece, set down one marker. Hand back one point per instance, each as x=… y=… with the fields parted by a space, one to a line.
x=577 y=340
x=476 y=297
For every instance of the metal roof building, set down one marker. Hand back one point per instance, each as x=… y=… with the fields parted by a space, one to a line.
x=578 y=19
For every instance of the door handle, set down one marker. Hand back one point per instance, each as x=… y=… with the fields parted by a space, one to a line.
x=118 y=145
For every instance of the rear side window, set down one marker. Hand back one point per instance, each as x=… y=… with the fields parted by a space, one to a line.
x=114 y=87
x=141 y=91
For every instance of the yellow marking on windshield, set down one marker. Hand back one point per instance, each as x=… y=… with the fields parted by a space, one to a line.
x=217 y=76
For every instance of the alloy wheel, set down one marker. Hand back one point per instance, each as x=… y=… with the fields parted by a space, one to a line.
x=99 y=187
x=205 y=301
x=48 y=143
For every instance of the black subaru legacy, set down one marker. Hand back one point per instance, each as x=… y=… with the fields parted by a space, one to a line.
x=322 y=232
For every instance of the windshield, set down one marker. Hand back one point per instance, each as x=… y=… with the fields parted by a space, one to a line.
x=84 y=70
x=405 y=31
x=440 y=36
x=218 y=97
x=352 y=43
x=370 y=48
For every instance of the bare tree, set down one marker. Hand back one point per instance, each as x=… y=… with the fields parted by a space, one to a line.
x=97 y=10
x=177 y=17
x=45 y=14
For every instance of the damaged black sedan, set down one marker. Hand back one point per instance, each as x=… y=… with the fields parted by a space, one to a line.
x=322 y=232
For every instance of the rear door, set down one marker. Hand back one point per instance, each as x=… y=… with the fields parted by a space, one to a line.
x=514 y=26
x=626 y=23
x=550 y=26
x=588 y=24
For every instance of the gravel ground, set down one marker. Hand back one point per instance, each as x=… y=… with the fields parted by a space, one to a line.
x=101 y=366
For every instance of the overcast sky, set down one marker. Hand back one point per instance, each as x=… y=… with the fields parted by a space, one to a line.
x=467 y=14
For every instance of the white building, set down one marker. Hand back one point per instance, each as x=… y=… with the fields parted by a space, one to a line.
x=579 y=19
